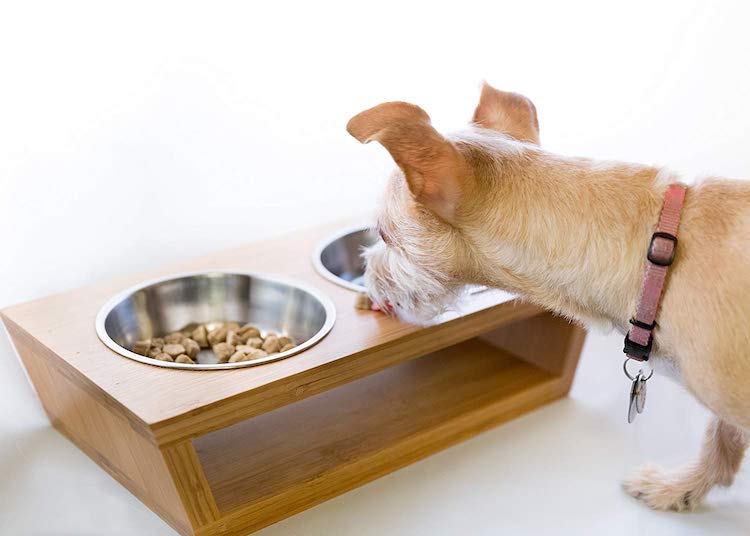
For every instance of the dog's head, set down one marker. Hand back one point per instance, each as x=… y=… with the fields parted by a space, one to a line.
x=434 y=199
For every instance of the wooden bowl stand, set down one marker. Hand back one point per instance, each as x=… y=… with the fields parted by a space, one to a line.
x=230 y=452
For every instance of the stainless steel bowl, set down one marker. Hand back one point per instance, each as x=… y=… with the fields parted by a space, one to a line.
x=338 y=258
x=158 y=307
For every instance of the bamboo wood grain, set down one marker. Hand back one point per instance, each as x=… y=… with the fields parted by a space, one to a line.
x=363 y=430
x=108 y=438
x=260 y=457
x=179 y=404
x=228 y=452
x=187 y=473
x=299 y=386
x=547 y=341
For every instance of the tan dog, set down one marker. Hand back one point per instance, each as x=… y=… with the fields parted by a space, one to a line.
x=487 y=206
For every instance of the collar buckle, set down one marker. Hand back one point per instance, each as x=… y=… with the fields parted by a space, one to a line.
x=639 y=352
x=662 y=249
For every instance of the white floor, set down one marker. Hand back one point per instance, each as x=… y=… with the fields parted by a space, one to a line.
x=554 y=471
x=135 y=134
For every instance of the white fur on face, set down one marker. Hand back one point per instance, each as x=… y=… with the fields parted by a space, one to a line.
x=411 y=292
x=410 y=274
x=413 y=274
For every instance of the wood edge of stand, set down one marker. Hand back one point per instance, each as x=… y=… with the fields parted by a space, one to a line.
x=18 y=335
x=203 y=514
x=238 y=517
x=293 y=388
x=106 y=432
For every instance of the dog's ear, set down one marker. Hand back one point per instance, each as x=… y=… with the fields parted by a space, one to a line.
x=510 y=113
x=433 y=167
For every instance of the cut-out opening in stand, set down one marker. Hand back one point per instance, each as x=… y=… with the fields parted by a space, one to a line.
x=354 y=432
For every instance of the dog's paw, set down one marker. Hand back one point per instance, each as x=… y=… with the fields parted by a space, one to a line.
x=662 y=490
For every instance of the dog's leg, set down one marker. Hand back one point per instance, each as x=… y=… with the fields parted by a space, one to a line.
x=723 y=448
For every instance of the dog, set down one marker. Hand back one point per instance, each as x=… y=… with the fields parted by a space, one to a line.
x=488 y=206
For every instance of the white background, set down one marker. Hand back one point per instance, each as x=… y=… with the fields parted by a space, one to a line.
x=135 y=134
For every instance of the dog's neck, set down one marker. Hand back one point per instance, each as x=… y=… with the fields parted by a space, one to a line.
x=570 y=234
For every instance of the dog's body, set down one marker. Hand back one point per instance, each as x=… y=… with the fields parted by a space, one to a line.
x=487 y=206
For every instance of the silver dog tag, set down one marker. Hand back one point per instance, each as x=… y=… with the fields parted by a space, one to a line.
x=637 y=396
x=640 y=399
x=632 y=402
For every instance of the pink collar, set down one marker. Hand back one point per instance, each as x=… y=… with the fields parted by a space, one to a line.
x=660 y=256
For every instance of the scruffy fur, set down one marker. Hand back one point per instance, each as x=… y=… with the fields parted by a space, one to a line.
x=488 y=206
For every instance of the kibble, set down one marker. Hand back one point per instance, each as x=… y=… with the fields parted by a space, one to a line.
x=192 y=348
x=173 y=338
x=233 y=338
x=255 y=354
x=252 y=353
x=256 y=342
x=249 y=332
x=174 y=349
x=229 y=342
x=142 y=347
x=187 y=331
x=271 y=344
x=223 y=351
x=239 y=355
x=217 y=335
x=363 y=301
x=200 y=335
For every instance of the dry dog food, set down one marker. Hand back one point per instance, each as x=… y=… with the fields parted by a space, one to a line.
x=233 y=338
x=217 y=335
x=142 y=347
x=249 y=332
x=362 y=301
x=173 y=338
x=245 y=353
x=230 y=342
x=271 y=344
x=192 y=348
x=173 y=349
x=255 y=342
x=223 y=351
x=200 y=335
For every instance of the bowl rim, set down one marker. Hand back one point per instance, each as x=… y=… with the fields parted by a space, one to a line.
x=112 y=302
x=327 y=241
